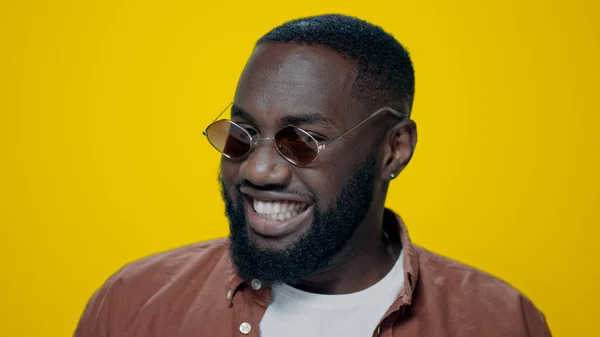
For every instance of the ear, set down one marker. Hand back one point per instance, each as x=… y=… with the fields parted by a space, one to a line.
x=399 y=146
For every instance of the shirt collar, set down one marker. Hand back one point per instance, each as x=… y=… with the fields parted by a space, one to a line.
x=394 y=224
x=395 y=228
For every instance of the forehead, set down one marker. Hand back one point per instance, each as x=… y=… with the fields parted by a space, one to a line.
x=286 y=79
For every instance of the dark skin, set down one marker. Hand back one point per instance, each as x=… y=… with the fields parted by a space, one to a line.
x=289 y=80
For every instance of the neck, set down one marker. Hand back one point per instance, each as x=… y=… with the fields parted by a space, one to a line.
x=365 y=260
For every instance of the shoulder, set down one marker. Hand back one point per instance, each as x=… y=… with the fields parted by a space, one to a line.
x=473 y=293
x=173 y=271
x=167 y=279
x=199 y=258
x=445 y=274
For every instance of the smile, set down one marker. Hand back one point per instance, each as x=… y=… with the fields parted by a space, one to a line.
x=274 y=218
x=278 y=210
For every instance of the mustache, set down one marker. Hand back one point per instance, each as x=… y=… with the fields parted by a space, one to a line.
x=280 y=188
x=269 y=187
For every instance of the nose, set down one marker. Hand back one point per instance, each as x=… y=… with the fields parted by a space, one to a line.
x=265 y=166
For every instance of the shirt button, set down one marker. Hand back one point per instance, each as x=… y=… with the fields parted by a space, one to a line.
x=256 y=284
x=245 y=328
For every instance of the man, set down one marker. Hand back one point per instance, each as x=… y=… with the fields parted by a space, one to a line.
x=319 y=128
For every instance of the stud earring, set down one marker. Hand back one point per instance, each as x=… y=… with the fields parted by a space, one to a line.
x=392 y=175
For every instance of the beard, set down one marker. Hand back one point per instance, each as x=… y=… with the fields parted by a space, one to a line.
x=315 y=249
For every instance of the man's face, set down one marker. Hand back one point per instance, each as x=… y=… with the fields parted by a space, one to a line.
x=288 y=222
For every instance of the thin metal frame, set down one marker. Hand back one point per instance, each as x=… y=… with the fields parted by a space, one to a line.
x=320 y=145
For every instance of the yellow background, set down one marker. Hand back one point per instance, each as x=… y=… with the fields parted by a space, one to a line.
x=102 y=158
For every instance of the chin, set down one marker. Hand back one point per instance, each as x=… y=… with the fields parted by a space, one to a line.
x=278 y=243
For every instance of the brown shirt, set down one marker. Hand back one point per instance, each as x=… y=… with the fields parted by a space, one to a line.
x=194 y=291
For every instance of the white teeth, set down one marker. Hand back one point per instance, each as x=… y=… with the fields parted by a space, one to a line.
x=278 y=210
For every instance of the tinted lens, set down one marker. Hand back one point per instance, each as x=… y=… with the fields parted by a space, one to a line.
x=229 y=139
x=297 y=145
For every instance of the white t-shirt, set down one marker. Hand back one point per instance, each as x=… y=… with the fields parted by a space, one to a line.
x=297 y=313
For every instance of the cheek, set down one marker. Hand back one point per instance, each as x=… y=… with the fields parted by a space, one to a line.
x=229 y=173
x=336 y=168
x=327 y=183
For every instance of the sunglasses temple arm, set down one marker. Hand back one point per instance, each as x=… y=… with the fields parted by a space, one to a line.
x=222 y=112
x=394 y=112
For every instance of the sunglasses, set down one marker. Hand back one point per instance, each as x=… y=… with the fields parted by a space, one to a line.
x=294 y=144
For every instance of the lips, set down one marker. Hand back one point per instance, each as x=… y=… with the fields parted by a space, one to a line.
x=275 y=216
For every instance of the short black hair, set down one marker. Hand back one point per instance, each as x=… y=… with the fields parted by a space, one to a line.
x=385 y=70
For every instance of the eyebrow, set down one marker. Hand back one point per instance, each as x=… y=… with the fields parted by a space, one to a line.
x=308 y=118
x=236 y=111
